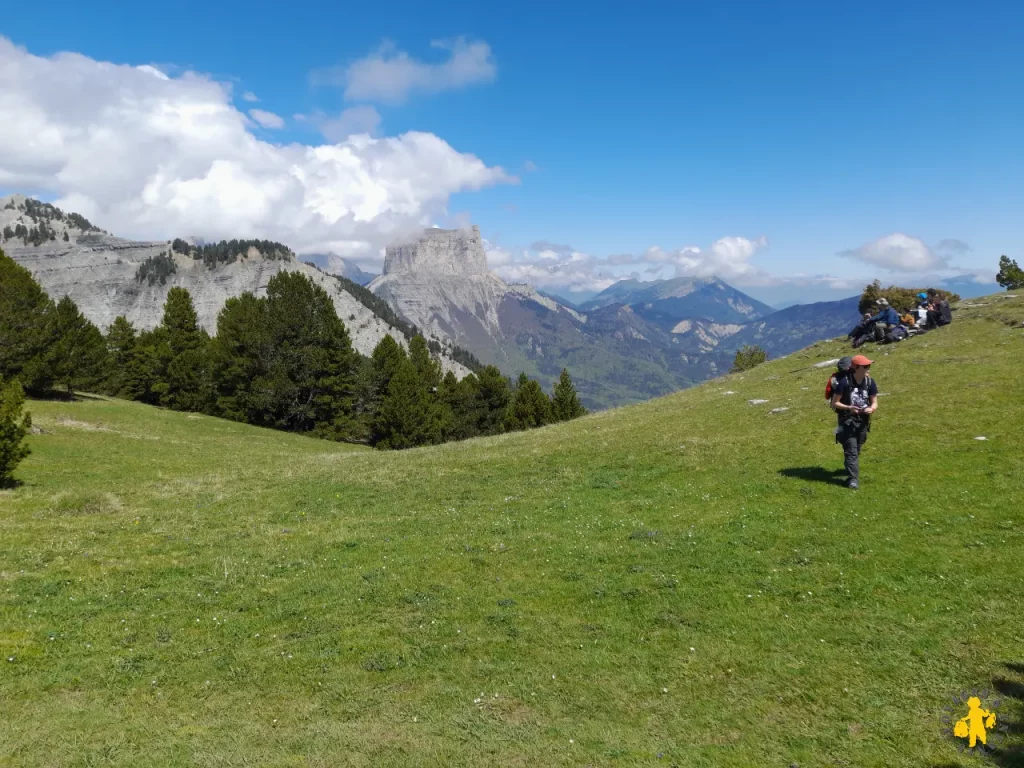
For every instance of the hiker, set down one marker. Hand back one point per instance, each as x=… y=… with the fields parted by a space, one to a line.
x=939 y=313
x=886 y=319
x=854 y=399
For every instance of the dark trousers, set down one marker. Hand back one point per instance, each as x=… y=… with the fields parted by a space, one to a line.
x=852 y=435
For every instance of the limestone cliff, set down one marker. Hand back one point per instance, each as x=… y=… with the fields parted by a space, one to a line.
x=99 y=272
x=441 y=284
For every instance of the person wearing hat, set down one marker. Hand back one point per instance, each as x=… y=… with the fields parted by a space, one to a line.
x=854 y=399
x=886 y=319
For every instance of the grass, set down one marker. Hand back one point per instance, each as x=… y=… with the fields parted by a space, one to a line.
x=674 y=583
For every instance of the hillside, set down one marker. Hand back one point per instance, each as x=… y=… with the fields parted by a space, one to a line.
x=673 y=583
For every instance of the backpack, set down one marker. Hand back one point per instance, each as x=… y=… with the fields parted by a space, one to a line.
x=896 y=334
x=842 y=371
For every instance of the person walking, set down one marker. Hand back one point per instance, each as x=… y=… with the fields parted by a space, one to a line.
x=854 y=399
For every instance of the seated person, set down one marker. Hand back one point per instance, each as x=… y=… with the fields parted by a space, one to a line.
x=939 y=313
x=886 y=319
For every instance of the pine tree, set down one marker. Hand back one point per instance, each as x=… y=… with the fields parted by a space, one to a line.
x=428 y=368
x=14 y=426
x=565 y=405
x=529 y=408
x=1010 y=275
x=493 y=395
x=123 y=353
x=239 y=353
x=438 y=417
x=460 y=399
x=404 y=418
x=77 y=356
x=183 y=368
x=310 y=367
x=25 y=327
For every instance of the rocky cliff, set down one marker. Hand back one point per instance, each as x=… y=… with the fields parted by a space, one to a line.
x=100 y=273
x=441 y=284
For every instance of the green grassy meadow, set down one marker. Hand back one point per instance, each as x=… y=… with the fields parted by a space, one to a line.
x=672 y=583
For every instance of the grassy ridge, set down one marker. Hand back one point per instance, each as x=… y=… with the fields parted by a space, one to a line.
x=668 y=583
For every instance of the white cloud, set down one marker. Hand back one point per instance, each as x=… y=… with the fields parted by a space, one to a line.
x=361 y=119
x=266 y=119
x=727 y=258
x=899 y=252
x=390 y=76
x=151 y=156
x=250 y=96
x=557 y=266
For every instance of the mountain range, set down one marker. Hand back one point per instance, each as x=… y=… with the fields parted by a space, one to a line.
x=629 y=343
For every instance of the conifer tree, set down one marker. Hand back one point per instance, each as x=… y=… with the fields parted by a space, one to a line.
x=493 y=395
x=183 y=372
x=404 y=418
x=14 y=425
x=462 y=406
x=565 y=405
x=25 y=327
x=129 y=369
x=1010 y=275
x=311 y=367
x=529 y=408
x=428 y=368
x=77 y=356
x=239 y=354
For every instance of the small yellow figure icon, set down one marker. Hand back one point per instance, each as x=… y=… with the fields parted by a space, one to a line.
x=973 y=726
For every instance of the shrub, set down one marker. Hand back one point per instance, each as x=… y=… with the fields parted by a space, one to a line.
x=900 y=299
x=14 y=425
x=748 y=357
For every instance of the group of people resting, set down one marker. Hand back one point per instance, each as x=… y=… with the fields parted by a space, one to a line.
x=888 y=325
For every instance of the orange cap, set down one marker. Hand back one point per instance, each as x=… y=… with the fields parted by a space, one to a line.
x=861 y=360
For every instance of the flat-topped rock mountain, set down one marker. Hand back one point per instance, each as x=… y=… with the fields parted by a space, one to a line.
x=69 y=256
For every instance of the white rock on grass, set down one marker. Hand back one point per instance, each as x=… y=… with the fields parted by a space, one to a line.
x=757 y=402
x=981 y=437
x=777 y=410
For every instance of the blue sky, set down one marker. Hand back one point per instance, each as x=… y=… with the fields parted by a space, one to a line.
x=807 y=130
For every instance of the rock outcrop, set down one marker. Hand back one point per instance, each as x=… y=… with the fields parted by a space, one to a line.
x=99 y=272
x=441 y=284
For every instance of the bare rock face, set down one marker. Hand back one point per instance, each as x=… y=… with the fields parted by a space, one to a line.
x=440 y=252
x=99 y=272
x=441 y=284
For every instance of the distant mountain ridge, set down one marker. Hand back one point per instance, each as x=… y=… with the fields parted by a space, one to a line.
x=631 y=342
x=683 y=298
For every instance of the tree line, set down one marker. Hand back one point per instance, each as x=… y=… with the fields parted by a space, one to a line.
x=284 y=360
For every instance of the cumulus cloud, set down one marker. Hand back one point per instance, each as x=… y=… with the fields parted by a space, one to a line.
x=727 y=258
x=899 y=253
x=266 y=119
x=361 y=119
x=151 y=156
x=249 y=96
x=390 y=76
x=557 y=266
